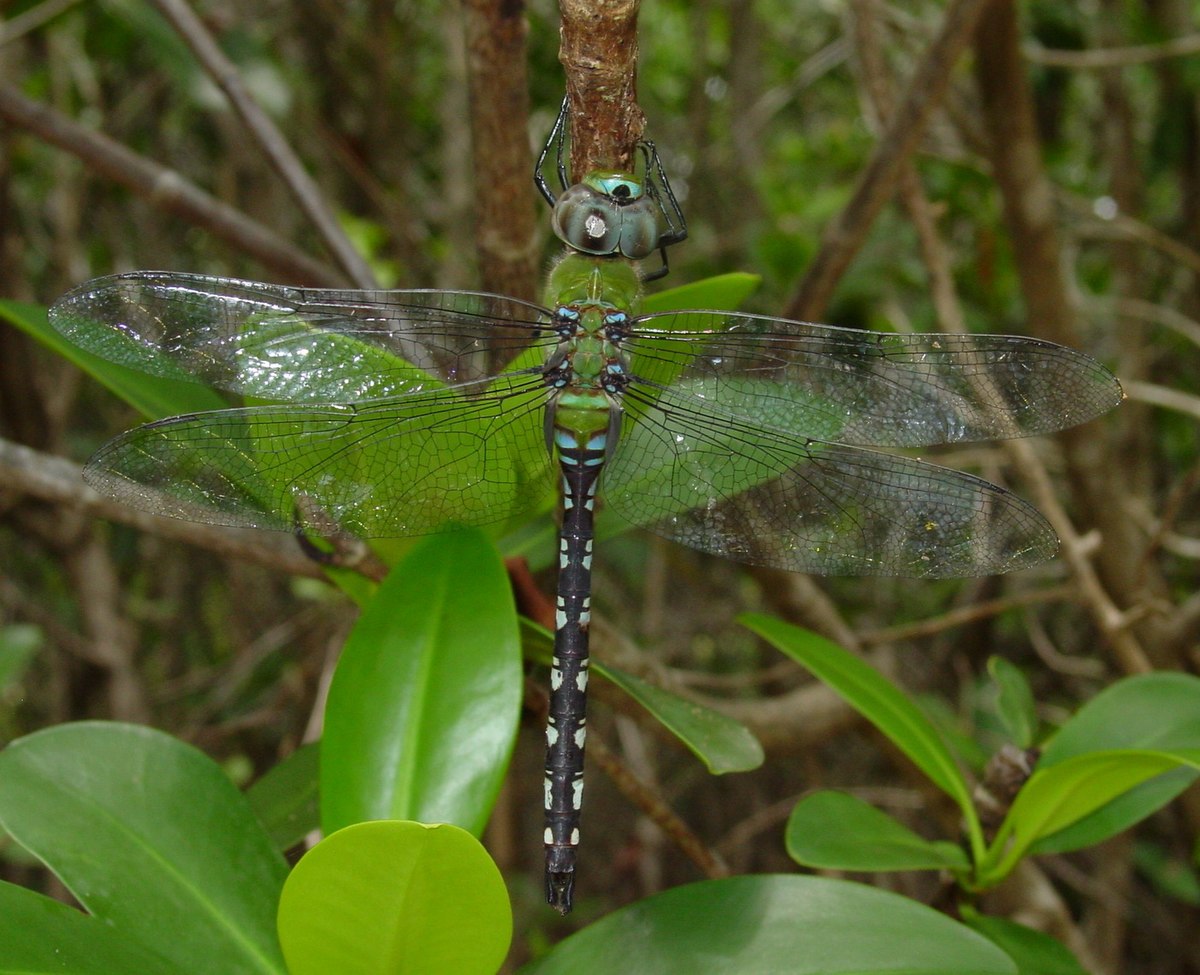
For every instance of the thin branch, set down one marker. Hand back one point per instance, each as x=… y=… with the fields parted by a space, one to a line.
x=966 y=615
x=658 y=812
x=1150 y=313
x=32 y=19
x=933 y=250
x=845 y=236
x=1170 y=399
x=1124 y=227
x=1114 y=57
x=164 y=188
x=59 y=481
x=869 y=49
x=280 y=155
x=599 y=55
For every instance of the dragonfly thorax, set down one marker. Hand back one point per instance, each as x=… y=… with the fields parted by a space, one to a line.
x=607 y=215
x=588 y=359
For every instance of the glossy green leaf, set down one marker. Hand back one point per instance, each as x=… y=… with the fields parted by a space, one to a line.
x=40 y=936
x=838 y=831
x=423 y=707
x=767 y=925
x=152 y=838
x=154 y=397
x=1058 y=796
x=1147 y=711
x=286 y=798
x=395 y=898
x=722 y=292
x=1034 y=952
x=1154 y=711
x=880 y=702
x=1014 y=705
x=722 y=744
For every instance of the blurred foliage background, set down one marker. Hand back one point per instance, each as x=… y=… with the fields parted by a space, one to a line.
x=764 y=121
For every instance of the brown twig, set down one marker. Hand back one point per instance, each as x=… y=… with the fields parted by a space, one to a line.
x=966 y=615
x=941 y=279
x=32 y=19
x=269 y=139
x=164 y=188
x=599 y=55
x=1122 y=226
x=1114 y=57
x=59 y=481
x=646 y=799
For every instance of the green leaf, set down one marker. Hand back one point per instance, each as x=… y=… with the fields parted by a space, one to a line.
x=721 y=743
x=1034 y=952
x=1153 y=711
x=154 y=397
x=1147 y=711
x=837 y=831
x=423 y=707
x=286 y=798
x=1058 y=796
x=39 y=935
x=392 y=898
x=152 y=838
x=723 y=292
x=1015 y=705
x=766 y=925
x=881 y=703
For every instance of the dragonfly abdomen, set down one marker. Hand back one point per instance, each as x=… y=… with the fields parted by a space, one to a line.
x=581 y=454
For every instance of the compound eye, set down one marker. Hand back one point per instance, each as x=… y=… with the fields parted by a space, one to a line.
x=639 y=229
x=588 y=221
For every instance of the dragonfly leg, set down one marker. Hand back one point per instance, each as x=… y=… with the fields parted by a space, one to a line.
x=557 y=137
x=658 y=188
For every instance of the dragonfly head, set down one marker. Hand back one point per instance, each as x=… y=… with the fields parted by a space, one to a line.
x=606 y=215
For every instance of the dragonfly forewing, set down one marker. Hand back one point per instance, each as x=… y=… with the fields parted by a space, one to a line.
x=295 y=344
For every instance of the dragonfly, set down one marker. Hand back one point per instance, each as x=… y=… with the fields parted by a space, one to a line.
x=385 y=414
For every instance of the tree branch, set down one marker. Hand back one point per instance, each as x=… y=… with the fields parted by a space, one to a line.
x=1114 y=57
x=599 y=53
x=59 y=481
x=303 y=188
x=164 y=188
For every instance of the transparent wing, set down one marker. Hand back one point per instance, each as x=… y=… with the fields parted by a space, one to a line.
x=871 y=388
x=296 y=344
x=385 y=468
x=720 y=484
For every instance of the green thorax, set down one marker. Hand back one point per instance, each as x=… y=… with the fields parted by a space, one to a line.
x=594 y=292
x=578 y=279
